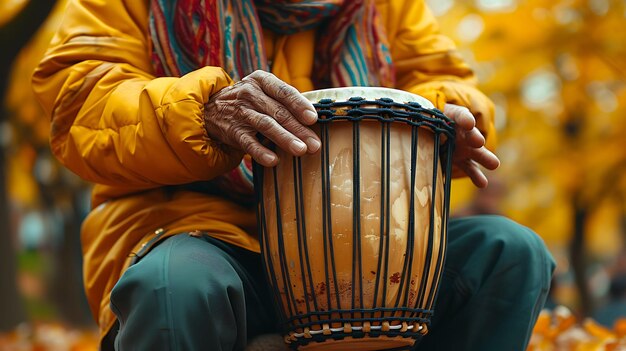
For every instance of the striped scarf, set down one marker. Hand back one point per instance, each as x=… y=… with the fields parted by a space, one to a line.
x=351 y=49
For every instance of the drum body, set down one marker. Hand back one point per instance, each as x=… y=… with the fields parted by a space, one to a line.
x=353 y=237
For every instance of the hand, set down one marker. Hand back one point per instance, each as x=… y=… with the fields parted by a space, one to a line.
x=470 y=151
x=262 y=103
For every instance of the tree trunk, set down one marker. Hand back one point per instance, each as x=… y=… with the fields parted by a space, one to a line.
x=13 y=311
x=578 y=258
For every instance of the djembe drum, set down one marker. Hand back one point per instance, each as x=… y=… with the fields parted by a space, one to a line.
x=354 y=236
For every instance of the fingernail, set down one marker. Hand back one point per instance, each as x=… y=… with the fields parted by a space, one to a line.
x=297 y=146
x=310 y=116
x=314 y=144
x=268 y=158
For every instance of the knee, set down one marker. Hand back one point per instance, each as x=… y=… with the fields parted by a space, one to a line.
x=186 y=276
x=517 y=245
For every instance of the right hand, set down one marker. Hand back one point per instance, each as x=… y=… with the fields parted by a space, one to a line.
x=470 y=152
x=262 y=103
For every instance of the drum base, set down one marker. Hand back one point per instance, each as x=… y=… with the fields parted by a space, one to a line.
x=361 y=344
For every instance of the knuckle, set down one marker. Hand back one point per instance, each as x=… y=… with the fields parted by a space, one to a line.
x=294 y=100
x=241 y=112
x=240 y=137
x=263 y=124
x=302 y=131
x=467 y=111
x=283 y=92
x=258 y=73
x=293 y=126
x=245 y=92
x=254 y=75
x=259 y=99
x=253 y=149
x=286 y=138
x=222 y=107
x=249 y=116
x=282 y=115
x=262 y=77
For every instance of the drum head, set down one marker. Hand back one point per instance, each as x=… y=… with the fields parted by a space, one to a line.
x=370 y=93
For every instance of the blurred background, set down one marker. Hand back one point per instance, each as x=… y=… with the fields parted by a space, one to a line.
x=555 y=69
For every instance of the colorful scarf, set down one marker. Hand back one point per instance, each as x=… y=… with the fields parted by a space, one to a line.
x=351 y=49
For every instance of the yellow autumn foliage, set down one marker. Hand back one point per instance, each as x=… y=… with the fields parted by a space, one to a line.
x=557 y=71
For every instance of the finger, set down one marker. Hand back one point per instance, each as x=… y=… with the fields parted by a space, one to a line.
x=287 y=120
x=274 y=131
x=473 y=138
x=261 y=154
x=474 y=172
x=460 y=115
x=485 y=158
x=287 y=95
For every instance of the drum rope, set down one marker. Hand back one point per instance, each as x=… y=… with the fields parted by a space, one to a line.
x=334 y=318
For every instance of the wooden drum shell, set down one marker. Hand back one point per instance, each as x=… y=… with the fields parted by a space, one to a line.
x=353 y=262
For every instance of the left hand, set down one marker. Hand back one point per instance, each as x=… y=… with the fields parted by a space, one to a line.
x=470 y=152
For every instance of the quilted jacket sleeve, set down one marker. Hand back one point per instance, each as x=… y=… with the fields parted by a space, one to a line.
x=428 y=64
x=112 y=121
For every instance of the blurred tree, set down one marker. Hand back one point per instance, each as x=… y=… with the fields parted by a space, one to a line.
x=42 y=185
x=556 y=70
x=14 y=34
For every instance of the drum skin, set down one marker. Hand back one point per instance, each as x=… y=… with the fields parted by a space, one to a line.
x=339 y=241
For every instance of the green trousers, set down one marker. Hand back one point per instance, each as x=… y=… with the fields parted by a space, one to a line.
x=197 y=293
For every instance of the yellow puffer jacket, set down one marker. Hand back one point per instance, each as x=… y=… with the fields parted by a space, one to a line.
x=114 y=124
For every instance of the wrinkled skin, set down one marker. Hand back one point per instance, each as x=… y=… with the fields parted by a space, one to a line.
x=262 y=103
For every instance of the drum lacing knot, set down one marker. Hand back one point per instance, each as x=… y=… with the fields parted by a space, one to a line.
x=326 y=329
x=348 y=329
x=289 y=338
x=307 y=333
x=423 y=328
